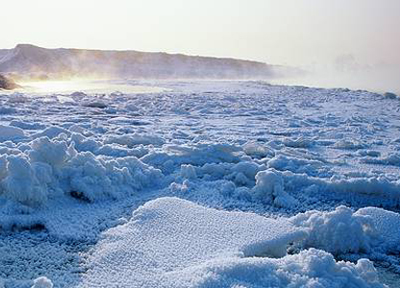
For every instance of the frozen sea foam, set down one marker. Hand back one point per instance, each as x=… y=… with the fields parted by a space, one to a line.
x=171 y=242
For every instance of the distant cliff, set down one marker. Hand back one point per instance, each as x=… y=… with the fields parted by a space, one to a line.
x=28 y=61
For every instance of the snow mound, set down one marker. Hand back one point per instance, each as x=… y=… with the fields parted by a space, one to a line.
x=132 y=140
x=170 y=234
x=51 y=168
x=391 y=159
x=369 y=190
x=386 y=224
x=198 y=154
x=171 y=242
x=26 y=182
x=42 y=282
x=270 y=188
x=338 y=232
x=368 y=230
x=10 y=133
x=309 y=268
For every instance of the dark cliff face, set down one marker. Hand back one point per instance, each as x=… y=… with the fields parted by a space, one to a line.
x=7 y=84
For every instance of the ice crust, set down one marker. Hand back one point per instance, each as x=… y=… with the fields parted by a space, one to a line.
x=171 y=242
x=51 y=168
x=317 y=160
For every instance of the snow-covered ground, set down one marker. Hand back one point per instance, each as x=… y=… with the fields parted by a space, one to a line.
x=199 y=184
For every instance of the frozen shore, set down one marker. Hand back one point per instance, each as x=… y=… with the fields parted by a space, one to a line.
x=258 y=184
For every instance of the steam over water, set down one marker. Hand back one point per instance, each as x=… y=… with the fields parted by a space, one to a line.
x=379 y=78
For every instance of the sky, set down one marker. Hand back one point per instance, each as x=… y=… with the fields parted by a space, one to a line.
x=324 y=36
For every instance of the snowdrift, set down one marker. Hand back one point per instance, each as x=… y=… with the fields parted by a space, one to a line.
x=171 y=242
x=312 y=161
x=52 y=168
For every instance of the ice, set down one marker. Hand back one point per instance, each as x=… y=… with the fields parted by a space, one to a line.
x=391 y=159
x=10 y=133
x=42 y=282
x=50 y=166
x=386 y=225
x=368 y=230
x=339 y=231
x=310 y=268
x=319 y=160
x=170 y=242
x=26 y=183
x=269 y=187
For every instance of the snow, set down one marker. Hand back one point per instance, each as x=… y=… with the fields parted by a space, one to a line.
x=42 y=282
x=369 y=230
x=171 y=242
x=10 y=133
x=269 y=187
x=309 y=268
x=318 y=162
x=338 y=232
x=47 y=167
x=385 y=223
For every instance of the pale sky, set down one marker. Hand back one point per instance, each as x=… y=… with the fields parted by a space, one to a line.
x=356 y=33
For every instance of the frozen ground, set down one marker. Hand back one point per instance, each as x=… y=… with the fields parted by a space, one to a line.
x=303 y=169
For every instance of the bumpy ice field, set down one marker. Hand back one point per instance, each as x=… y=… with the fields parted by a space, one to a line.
x=200 y=184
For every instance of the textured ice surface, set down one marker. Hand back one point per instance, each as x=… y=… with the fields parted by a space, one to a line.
x=171 y=242
x=386 y=225
x=75 y=164
x=369 y=230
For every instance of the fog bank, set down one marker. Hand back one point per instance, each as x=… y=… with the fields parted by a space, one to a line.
x=378 y=78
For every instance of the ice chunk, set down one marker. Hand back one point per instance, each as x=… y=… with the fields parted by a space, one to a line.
x=171 y=242
x=339 y=231
x=132 y=140
x=390 y=95
x=95 y=104
x=26 y=125
x=369 y=230
x=390 y=159
x=386 y=225
x=170 y=234
x=309 y=268
x=10 y=133
x=257 y=150
x=44 y=150
x=188 y=171
x=51 y=132
x=22 y=184
x=48 y=166
x=42 y=282
x=270 y=188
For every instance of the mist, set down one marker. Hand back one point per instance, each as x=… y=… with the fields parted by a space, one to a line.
x=378 y=78
x=341 y=43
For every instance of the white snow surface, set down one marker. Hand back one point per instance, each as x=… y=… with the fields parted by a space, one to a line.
x=386 y=226
x=320 y=161
x=171 y=242
x=369 y=230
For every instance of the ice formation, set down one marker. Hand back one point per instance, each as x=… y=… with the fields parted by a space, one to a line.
x=50 y=168
x=171 y=242
x=307 y=162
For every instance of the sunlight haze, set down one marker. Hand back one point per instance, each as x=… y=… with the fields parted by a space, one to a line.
x=316 y=35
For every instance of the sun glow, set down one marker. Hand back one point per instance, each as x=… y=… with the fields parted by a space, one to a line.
x=87 y=86
x=60 y=86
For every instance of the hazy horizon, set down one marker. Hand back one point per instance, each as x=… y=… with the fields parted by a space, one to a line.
x=340 y=43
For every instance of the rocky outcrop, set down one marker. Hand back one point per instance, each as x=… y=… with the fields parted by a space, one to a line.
x=7 y=84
